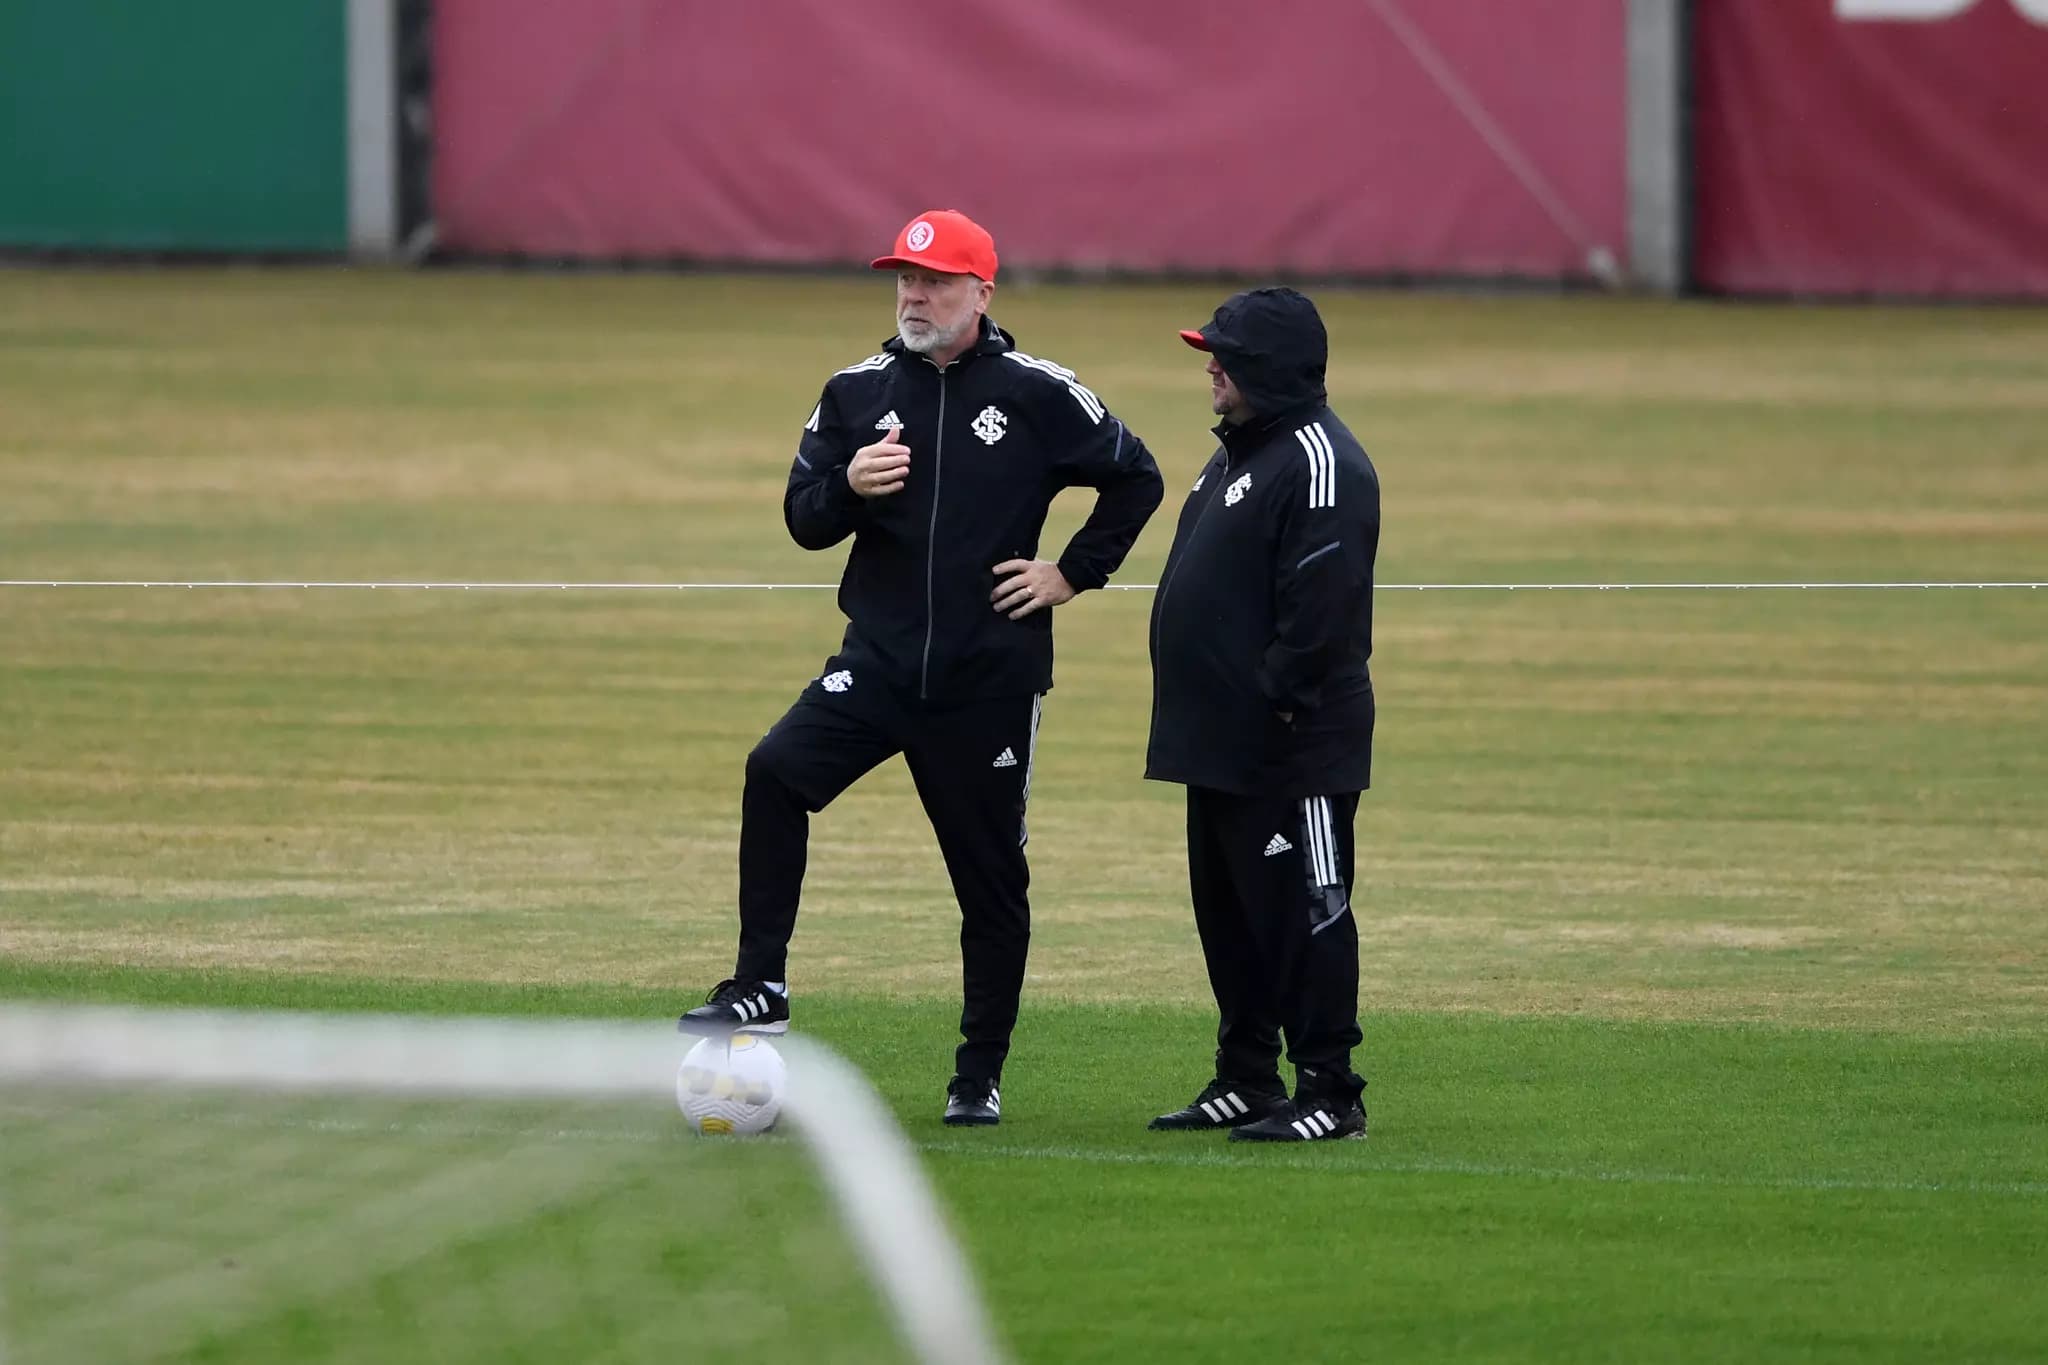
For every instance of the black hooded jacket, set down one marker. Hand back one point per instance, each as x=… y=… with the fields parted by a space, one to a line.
x=993 y=437
x=1262 y=624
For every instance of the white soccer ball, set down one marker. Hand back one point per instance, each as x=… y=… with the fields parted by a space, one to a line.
x=731 y=1086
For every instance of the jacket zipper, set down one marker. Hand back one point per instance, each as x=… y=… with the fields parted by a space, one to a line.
x=1166 y=583
x=924 y=676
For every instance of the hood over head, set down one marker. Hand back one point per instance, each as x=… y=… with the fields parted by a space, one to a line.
x=1272 y=344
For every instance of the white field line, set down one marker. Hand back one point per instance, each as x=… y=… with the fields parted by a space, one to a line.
x=460 y=586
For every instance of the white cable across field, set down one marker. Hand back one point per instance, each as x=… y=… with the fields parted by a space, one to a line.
x=399 y=585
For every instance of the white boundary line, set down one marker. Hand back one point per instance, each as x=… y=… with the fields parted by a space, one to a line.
x=458 y=586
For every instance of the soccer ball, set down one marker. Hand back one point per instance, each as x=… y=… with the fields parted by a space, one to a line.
x=731 y=1085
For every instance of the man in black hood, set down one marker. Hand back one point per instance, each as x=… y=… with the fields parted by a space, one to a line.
x=1262 y=707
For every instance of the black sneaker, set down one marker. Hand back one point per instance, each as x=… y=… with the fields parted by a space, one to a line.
x=973 y=1104
x=1220 y=1106
x=736 y=1006
x=1307 y=1121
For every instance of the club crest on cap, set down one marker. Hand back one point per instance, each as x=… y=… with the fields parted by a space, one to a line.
x=965 y=248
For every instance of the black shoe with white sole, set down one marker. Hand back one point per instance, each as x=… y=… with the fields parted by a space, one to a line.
x=738 y=1006
x=973 y=1104
x=1220 y=1106
x=1309 y=1120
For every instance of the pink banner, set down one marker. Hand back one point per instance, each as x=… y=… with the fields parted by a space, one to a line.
x=1376 y=137
x=1872 y=146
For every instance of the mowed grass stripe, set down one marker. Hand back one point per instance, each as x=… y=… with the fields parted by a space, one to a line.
x=1194 y=1151
x=1743 y=889
x=1800 y=811
x=1706 y=1102
x=1203 y=1150
x=1535 y=1189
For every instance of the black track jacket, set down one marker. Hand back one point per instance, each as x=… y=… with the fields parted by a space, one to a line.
x=1265 y=604
x=993 y=437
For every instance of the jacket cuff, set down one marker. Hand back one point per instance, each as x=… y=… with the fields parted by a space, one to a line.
x=1079 y=577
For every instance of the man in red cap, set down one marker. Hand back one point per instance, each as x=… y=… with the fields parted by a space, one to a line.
x=939 y=456
x=1262 y=708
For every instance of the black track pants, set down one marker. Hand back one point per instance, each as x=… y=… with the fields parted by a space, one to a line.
x=972 y=767
x=1271 y=883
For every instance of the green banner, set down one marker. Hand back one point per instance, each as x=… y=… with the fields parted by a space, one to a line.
x=205 y=125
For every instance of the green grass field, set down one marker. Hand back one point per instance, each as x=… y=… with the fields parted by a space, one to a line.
x=1704 y=934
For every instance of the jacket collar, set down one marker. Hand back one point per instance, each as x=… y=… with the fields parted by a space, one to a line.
x=1242 y=441
x=994 y=341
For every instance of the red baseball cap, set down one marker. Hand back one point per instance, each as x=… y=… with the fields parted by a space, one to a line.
x=945 y=240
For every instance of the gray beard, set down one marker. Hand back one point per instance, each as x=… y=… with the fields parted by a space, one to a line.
x=933 y=339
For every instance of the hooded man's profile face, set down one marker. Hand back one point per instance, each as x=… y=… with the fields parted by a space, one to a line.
x=1275 y=348
x=1225 y=400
